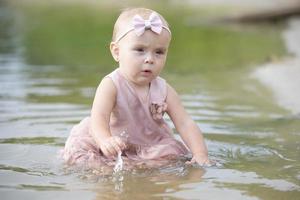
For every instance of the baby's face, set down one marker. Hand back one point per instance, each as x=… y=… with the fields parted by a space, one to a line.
x=141 y=58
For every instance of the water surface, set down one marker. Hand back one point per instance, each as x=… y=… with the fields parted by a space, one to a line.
x=254 y=139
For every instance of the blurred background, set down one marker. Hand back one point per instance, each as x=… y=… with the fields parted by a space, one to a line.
x=234 y=63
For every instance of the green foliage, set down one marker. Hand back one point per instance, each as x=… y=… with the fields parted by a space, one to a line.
x=78 y=36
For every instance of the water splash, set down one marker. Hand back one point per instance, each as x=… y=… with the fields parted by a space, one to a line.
x=119 y=163
x=118 y=177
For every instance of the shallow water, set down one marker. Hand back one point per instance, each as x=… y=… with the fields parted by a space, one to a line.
x=255 y=141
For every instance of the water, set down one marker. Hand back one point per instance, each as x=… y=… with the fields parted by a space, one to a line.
x=119 y=163
x=255 y=139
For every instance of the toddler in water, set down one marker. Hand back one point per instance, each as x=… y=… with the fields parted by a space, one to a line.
x=132 y=100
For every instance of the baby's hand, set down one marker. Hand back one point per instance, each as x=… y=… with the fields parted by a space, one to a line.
x=202 y=160
x=112 y=145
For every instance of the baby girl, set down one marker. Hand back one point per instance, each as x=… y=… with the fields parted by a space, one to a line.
x=131 y=102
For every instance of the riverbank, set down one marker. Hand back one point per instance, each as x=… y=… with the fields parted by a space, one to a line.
x=282 y=77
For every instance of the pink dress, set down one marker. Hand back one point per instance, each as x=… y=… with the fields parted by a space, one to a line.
x=143 y=123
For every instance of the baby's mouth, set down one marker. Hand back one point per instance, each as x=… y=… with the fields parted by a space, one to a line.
x=147 y=71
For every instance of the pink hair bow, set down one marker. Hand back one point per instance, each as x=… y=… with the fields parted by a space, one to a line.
x=154 y=23
x=139 y=25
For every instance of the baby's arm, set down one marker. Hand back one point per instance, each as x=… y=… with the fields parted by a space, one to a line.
x=188 y=129
x=103 y=104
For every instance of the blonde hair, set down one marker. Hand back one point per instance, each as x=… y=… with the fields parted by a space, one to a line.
x=127 y=14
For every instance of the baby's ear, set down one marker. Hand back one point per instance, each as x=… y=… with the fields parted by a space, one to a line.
x=114 y=49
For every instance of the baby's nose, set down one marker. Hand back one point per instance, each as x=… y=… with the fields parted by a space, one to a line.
x=149 y=59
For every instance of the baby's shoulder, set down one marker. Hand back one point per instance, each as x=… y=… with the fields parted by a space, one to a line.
x=112 y=78
x=159 y=87
x=160 y=81
x=113 y=75
x=108 y=83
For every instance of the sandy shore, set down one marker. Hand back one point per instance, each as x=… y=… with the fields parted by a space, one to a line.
x=283 y=77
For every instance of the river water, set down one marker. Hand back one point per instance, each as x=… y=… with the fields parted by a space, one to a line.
x=252 y=131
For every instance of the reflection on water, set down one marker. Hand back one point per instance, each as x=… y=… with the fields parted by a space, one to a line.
x=256 y=143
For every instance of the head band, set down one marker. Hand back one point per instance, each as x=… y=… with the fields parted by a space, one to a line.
x=139 y=25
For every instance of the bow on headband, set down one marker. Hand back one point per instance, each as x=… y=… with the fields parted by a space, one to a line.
x=139 y=25
x=153 y=23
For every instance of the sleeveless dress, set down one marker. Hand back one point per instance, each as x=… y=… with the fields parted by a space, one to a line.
x=142 y=122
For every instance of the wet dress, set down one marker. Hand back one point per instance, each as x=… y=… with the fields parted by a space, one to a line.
x=142 y=122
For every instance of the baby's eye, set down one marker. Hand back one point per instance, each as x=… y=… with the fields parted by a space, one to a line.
x=139 y=49
x=160 y=52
